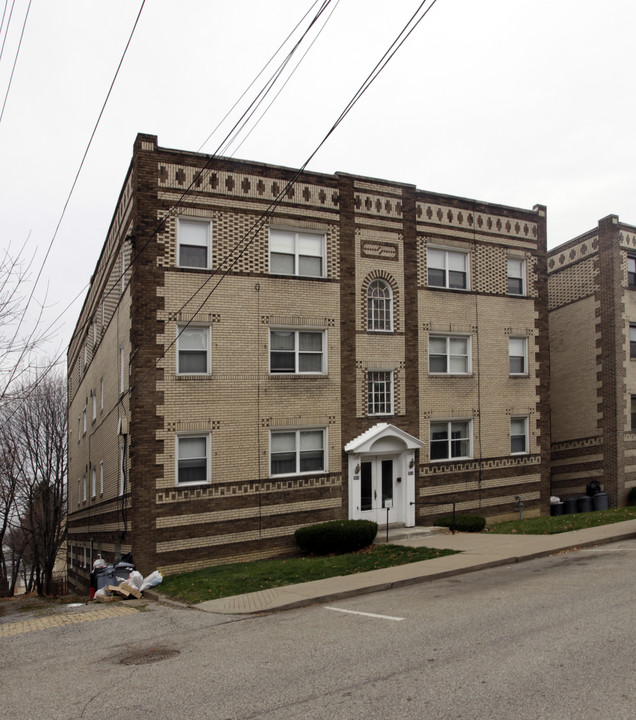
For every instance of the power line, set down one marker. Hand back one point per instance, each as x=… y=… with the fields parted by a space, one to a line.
x=251 y=234
x=15 y=60
x=212 y=159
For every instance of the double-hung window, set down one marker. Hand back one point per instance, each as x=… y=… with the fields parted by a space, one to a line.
x=516 y=276
x=193 y=350
x=297 y=351
x=518 y=356
x=450 y=440
x=193 y=459
x=518 y=435
x=380 y=392
x=447 y=269
x=379 y=306
x=293 y=452
x=296 y=253
x=195 y=243
x=631 y=271
x=632 y=341
x=449 y=354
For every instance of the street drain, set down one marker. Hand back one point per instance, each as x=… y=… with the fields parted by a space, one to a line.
x=145 y=657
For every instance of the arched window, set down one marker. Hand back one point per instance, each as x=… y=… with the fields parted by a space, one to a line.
x=379 y=306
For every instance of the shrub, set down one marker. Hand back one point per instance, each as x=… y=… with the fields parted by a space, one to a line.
x=631 y=496
x=463 y=523
x=336 y=536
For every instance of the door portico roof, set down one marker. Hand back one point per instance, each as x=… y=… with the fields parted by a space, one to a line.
x=383 y=437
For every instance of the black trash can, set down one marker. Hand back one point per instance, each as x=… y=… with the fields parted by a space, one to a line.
x=593 y=487
x=600 y=501
x=556 y=508
x=584 y=504
x=569 y=506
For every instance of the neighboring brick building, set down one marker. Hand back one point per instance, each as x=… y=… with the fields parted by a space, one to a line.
x=592 y=292
x=243 y=366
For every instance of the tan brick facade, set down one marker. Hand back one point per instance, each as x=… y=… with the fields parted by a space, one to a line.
x=372 y=231
x=592 y=376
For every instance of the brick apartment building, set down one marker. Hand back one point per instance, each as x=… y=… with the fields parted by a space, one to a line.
x=592 y=301
x=262 y=349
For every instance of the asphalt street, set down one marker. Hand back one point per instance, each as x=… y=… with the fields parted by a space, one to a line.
x=547 y=638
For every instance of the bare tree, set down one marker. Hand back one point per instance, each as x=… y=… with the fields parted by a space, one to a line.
x=37 y=437
x=21 y=331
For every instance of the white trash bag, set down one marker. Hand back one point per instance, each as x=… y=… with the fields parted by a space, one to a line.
x=135 y=580
x=151 y=580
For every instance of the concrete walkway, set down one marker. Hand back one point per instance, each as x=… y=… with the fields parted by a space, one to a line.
x=477 y=551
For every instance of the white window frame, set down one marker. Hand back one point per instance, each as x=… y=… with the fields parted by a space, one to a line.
x=631 y=271
x=449 y=354
x=451 y=426
x=295 y=254
x=525 y=435
x=94 y=403
x=521 y=262
x=122 y=367
x=524 y=341
x=208 y=455
x=182 y=222
x=79 y=491
x=84 y=489
x=84 y=421
x=297 y=450
x=379 y=309
x=93 y=482
x=101 y=477
x=182 y=332
x=123 y=266
x=449 y=256
x=298 y=352
x=121 y=474
x=101 y=395
x=380 y=392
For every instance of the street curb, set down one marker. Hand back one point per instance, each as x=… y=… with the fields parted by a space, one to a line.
x=241 y=605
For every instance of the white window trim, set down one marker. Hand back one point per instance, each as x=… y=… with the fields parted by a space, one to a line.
x=389 y=300
x=84 y=489
x=295 y=232
x=454 y=251
x=526 y=370
x=208 y=458
x=297 y=352
x=208 y=350
x=524 y=276
x=101 y=477
x=297 y=431
x=447 y=336
x=526 y=434
x=93 y=482
x=94 y=403
x=121 y=474
x=101 y=395
x=449 y=423
x=122 y=369
x=202 y=221
x=391 y=374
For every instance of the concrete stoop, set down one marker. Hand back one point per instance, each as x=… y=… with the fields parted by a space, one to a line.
x=399 y=532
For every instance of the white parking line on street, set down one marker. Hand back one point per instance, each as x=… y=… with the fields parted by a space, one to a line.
x=371 y=615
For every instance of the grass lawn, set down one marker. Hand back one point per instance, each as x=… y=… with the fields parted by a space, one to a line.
x=563 y=523
x=238 y=578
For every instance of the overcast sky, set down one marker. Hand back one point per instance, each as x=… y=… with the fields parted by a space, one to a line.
x=506 y=101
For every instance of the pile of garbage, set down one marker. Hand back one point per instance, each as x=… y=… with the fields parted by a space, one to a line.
x=113 y=582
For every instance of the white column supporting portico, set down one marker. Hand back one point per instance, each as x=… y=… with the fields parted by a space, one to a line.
x=381 y=471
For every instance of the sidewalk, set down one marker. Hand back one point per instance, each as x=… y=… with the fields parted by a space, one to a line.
x=477 y=551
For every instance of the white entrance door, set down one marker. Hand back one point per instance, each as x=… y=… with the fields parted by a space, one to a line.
x=378 y=491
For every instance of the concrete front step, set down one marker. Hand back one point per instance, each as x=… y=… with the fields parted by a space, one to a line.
x=405 y=533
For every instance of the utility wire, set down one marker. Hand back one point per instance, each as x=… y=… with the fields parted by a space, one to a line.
x=77 y=174
x=198 y=176
x=6 y=32
x=201 y=174
x=15 y=60
x=252 y=233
